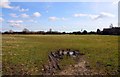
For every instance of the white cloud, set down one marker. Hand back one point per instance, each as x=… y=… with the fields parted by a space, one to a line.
x=33 y=21
x=107 y=14
x=95 y=17
x=1 y=20
x=92 y=16
x=16 y=23
x=13 y=15
x=85 y=15
x=20 y=9
x=5 y=4
x=64 y=19
x=103 y=15
x=16 y=8
x=79 y=15
x=24 y=15
x=53 y=18
x=23 y=10
x=36 y=14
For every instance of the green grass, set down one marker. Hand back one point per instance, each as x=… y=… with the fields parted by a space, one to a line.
x=31 y=51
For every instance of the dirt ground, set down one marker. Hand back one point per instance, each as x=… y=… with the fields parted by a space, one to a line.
x=81 y=68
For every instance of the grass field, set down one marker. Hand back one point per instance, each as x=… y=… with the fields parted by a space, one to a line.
x=27 y=53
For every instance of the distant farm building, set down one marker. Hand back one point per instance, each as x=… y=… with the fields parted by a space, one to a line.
x=111 y=31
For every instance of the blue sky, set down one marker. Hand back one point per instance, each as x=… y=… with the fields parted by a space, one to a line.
x=59 y=16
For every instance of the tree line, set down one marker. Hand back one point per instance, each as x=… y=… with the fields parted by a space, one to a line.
x=106 y=31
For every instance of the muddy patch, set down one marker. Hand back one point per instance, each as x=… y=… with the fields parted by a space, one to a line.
x=54 y=59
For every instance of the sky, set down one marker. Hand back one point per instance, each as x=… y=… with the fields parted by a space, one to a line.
x=58 y=16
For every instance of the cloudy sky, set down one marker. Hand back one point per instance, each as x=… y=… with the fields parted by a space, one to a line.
x=59 y=16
